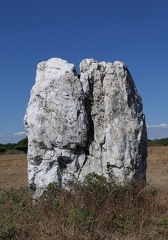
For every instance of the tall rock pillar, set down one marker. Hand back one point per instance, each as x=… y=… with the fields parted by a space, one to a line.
x=77 y=124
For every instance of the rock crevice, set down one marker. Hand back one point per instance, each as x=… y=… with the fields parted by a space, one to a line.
x=77 y=124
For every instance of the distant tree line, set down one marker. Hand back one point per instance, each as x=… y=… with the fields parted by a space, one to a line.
x=21 y=146
x=158 y=142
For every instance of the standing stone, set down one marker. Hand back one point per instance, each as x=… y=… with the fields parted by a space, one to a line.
x=77 y=125
x=118 y=145
x=56 y=124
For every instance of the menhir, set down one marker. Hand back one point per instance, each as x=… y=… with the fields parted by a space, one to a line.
x=78 y=124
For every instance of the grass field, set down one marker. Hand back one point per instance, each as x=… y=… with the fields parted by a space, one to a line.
x=157 y=171
x=13 y=170
x=96 y=212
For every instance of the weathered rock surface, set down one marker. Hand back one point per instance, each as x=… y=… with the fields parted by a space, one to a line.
x=77 y=124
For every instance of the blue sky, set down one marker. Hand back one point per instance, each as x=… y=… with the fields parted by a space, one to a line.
x=132 y=31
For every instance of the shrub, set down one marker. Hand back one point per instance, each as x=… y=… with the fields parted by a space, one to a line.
x=158 y=142
x=22 y=145
x=96 y=210
x=2 y=150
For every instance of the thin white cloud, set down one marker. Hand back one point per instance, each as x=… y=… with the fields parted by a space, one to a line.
x=19 y=133
x=163 y=125
x=12 y=138
x=157 y=131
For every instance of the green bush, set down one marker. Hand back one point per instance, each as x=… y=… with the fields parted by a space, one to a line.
x=2 y=150
x=22 y=145
x=158 y=142
x=95 y=210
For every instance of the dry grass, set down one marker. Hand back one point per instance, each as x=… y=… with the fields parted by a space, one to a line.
x=157 y=172
x=13 y=171
x=96 y=211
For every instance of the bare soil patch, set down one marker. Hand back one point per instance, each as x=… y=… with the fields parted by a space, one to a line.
x=13 y=170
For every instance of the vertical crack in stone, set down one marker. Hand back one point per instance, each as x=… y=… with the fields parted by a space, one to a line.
x=88 y=106
x=88 y=101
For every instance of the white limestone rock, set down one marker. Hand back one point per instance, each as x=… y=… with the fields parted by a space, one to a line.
x=118 y=146
x=56 y=124
x=77 y=125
